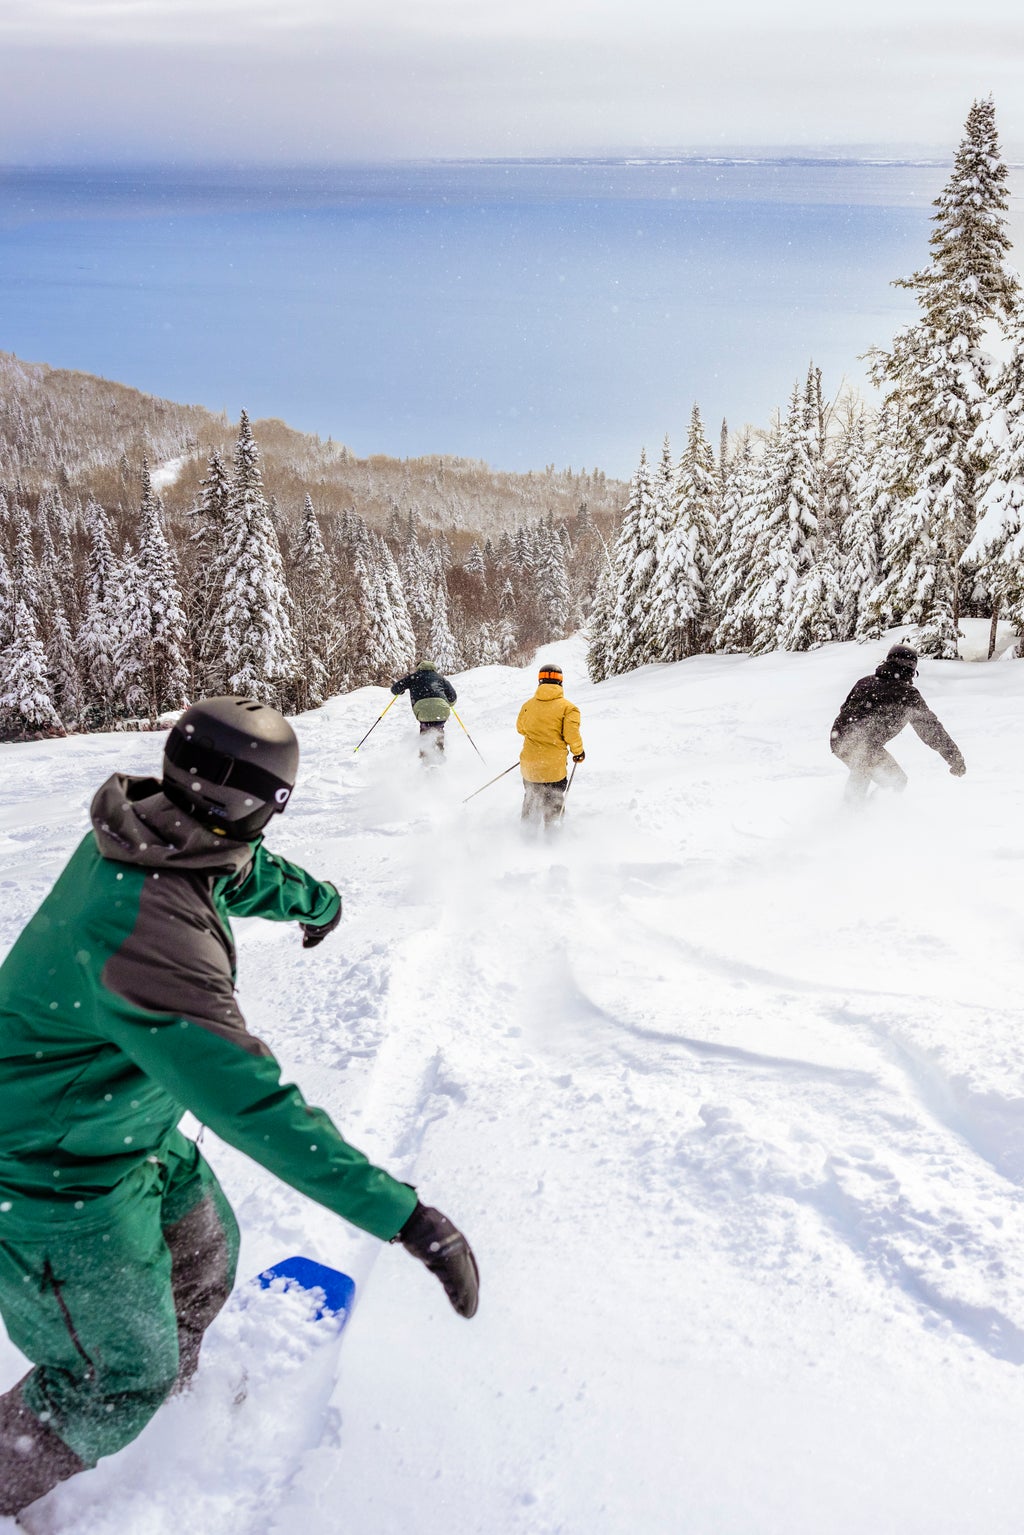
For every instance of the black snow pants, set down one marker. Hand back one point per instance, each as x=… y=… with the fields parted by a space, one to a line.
x=431 y=739
x=544 y=803
x=868 y=763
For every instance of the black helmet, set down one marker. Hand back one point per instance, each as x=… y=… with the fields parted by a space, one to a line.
x=231 y=763
x=903 y=659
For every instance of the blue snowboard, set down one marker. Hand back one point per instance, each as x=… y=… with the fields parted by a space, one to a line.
x=338 y=1290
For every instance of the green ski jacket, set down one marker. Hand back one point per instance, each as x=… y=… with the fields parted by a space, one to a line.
x=117 y=1013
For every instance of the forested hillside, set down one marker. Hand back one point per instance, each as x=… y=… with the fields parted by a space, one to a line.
x=151 y=552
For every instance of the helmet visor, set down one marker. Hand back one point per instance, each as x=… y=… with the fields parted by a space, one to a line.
x=218 y=769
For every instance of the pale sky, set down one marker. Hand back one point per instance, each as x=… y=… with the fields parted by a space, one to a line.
x=334 y=80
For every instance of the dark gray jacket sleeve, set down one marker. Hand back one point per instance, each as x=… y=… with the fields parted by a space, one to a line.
x=932 y=732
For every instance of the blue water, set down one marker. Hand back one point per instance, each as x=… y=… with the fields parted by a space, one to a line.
x=521 y=312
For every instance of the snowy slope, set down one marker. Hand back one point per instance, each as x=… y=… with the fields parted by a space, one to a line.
x=727 y=1089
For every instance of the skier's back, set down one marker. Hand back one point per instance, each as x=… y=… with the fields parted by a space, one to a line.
x=551 y=727
x=431 y=696
x=875 y=710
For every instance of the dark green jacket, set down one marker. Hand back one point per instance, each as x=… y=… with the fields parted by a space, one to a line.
x=117 y=1013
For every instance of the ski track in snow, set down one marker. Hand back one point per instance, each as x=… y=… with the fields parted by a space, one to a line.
x=725 y=1086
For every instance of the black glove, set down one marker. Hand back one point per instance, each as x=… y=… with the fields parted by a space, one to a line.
x=311 y=935
x=580 y=757
x=431 y=1237
x=958 y=768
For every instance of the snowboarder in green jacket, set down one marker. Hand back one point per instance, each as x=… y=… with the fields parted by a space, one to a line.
x=117 y=1014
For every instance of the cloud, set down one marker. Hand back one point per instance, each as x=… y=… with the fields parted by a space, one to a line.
x=298 y=79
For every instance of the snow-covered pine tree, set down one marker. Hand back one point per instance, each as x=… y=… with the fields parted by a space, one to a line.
x=251 y=622
x=939 y=374
x=599 y=626
x=27 y=708
x=812 y=617
x=783 y=549
x=551 y=585
x=998 y=544
x=417 y=584
x=6 y=601
x=166 y=663
x=313 y=616
x=404 y=641
x=474 y=563
x=131 y=637
x=636 y=566
x=969 y=282
x=441 y=642
x=679 y=615
x=63 y=667
x=96 y=634
x=208 y=518
x=868 y=499
x=24 y=567
x=732 y=562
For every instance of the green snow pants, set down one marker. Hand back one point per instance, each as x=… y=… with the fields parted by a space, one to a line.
x=111 y=1311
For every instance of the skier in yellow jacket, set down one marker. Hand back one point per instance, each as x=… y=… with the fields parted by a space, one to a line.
x=551 y=725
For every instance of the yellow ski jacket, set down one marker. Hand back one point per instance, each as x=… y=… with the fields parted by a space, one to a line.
x=551 y=725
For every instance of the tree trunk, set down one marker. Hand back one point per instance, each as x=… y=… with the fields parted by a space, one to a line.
x=995 y=626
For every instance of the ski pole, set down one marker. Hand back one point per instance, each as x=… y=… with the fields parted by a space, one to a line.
x=375 y=723
x=472 y=743
x=487 y=785
x=568 y=786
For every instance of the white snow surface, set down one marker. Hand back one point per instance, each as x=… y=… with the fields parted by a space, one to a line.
x=725 y=1085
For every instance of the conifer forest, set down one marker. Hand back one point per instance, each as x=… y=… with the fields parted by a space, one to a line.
x=152 y=553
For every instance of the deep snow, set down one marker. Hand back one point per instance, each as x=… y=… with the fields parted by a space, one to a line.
x=726 y=1087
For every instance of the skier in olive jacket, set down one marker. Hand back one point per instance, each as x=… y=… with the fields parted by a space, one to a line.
x=876 y=709
x=551 y=726
x=431 y=696
x=117 y=1013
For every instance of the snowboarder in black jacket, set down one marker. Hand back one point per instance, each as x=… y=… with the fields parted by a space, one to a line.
x=876 y=709
x=431 y=696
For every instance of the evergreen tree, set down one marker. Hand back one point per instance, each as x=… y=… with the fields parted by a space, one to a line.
x=551 y=586
x=251 y=622
x=867 y=531
x=206 y=547
x=785 y=525
x=736 y=539
x=6 y=602
x=938 y=375
x=441 y=642
x=165 y=663
x=131 y=638
x=403 y=648
x=599 y=627
x=969 y=281
x=96 y=636
x=314 y=629
x=417 y=584
x=679 y=595
x=998 y=544
x=636 y=567
x=26 y=696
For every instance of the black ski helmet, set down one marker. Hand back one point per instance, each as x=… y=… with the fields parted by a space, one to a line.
x=903 y=659
x=231 y=763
